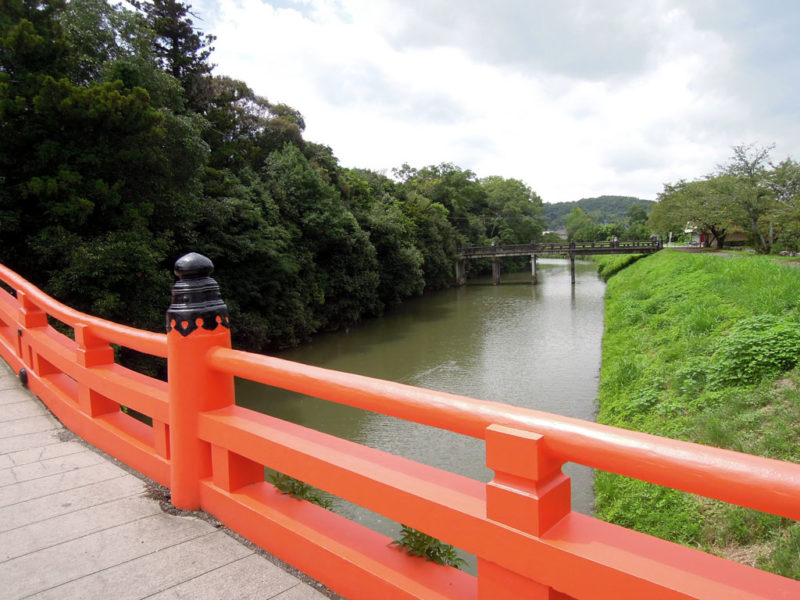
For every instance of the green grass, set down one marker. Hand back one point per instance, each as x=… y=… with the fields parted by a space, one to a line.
x=611 y=264
x=704 y=348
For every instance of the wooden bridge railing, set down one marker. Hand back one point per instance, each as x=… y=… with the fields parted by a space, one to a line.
x=564 y=248
x=212 y=454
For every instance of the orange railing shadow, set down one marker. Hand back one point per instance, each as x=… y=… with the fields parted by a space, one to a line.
x=212 y=454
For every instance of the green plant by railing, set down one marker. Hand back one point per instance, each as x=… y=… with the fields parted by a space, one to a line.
x=416 y=543
x=299 y=489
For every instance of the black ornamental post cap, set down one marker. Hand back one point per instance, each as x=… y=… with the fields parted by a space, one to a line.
x=196 y=301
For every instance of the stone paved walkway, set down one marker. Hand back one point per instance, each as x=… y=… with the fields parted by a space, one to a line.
x=73 y=524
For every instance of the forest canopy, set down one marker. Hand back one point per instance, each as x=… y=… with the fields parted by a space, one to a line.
x=121 y=150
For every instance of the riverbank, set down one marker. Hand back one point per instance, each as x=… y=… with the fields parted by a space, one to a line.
x=704 y=349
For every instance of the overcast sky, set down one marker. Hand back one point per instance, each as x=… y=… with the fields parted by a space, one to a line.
x=575 y=98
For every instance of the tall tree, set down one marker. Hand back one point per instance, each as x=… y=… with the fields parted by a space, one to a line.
x=703 y=203
x=580 y=226
x=513 y=211
x=783 y=181
x=180 y=49
x=457 y=190
x=749 y=194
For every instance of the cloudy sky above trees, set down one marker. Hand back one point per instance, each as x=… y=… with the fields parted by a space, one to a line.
x=575 y=98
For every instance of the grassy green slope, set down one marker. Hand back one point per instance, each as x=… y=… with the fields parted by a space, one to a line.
x=704 y=348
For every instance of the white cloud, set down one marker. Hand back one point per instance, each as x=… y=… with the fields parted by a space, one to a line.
x=574 y=98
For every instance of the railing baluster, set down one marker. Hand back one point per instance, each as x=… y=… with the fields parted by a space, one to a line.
x=529 y=492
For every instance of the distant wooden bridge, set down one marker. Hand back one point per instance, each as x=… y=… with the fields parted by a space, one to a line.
x=570 y=249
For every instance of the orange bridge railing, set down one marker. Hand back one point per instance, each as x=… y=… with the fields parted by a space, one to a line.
x=211 y=453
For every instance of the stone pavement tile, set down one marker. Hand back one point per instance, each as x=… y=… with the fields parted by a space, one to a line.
x=32 y=455
x=252 y=577
x=25 y=407
x=57 y=565
x=16 y=394
x=44 y=486
x=15 y=427
x=28 y=441
x=52 y=466
x=142 y=577
x=63 y=528
x=301 y=592
x=8 y=380
x=68 y=501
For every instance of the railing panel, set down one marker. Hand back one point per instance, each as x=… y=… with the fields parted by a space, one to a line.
x=79 y=381
x=612 y=561
x=722 y=474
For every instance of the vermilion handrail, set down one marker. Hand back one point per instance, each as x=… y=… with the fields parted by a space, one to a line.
x=146 y=342
x=712 y=472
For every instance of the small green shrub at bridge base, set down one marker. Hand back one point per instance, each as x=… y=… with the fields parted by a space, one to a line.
x=299 y=489
x=416 y=543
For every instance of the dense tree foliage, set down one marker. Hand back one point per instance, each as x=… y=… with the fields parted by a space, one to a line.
x=748 y=194
x=589 y=228
x=120 y=150
x=603 y=210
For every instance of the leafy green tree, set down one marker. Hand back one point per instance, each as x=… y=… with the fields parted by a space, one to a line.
x=637 y=228
x=92 y=173
x=435 y=238
x=608 y=209
x=513 y=214
x=244 y=128
x=99 y=33
x=580 y=226
x=179 y=48
x=783 y=181
x=457 y=190
x=373 y=201
x=749 y=195
x=338 y=268
x=636 y=214
x=239 y=228
x=702 y=203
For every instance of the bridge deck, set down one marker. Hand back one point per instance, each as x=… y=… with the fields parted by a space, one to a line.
x=76 y=525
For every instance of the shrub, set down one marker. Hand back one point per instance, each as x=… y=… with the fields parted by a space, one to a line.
x=756 y=347
x=299 y=489
x=416 y=543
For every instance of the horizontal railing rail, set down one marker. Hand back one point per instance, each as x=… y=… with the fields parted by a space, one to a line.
x=712 y=472
x=527 y=540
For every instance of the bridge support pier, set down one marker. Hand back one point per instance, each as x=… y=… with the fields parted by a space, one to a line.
x=461 y=272
x=495 y=271
x=534 y=276
x=572 y=267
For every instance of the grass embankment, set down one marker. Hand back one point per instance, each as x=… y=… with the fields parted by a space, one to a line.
x=704 y=348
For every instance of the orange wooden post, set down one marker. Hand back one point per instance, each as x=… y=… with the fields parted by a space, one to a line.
x=197 y=320
x=30 y=317
x=530 y=493
x=92 y=351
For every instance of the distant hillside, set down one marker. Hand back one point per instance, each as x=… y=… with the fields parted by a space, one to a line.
x=608 y=209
